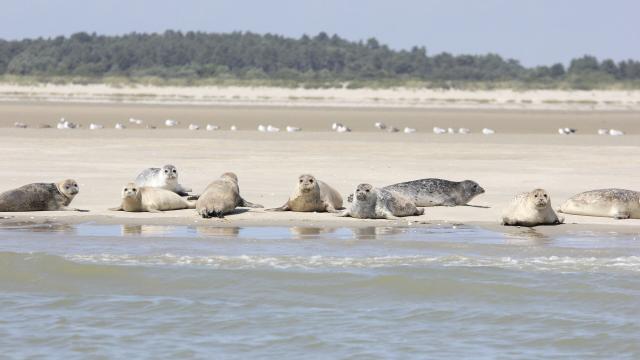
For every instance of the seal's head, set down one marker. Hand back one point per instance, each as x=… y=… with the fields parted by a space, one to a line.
x=307 y=183
x=229 y=176
x=169 y=172
x=471 y=188
x=130 y=191
x=539 y=198
x=68 y=188
x=364 y=192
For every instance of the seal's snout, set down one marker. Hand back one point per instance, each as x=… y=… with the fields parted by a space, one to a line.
x=480 y=190
x=74 y=191
x=361 y=196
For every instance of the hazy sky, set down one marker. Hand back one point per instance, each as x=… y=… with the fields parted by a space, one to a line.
x=532 y=31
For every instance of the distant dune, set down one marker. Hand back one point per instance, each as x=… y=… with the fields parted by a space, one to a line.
x=338 y=97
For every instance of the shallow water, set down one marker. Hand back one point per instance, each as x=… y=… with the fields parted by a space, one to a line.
x=195 y=292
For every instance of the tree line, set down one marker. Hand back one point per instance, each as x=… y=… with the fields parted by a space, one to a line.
x=245 y=55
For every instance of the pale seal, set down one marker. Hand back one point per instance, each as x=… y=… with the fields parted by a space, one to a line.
x=615 y=203
x=40 y=197
x=372 y=203
x=139 y=199
x=164 y=178
x=436 y=192
x=312 y=195
x=531 y=209
x=221 y=197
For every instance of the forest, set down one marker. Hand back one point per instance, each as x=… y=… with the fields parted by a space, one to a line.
x=321 y=60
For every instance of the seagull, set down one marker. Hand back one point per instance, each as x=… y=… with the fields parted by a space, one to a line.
x=451 y=131
x=603 y=131
x=463 y=131
x=20 y=125
x=438 y=130
x=409 y=130
x=293 y=129
x=262 y=128
x=233 y=128
x=64 y=124
x=93 y=126
x=614 y=132
x=212 y=127
x=135 y=121
x=335 y=126
x=566 y=131
x=343 y=129
x=194 y=127
x=380 y=125
x=272 y=129
x=170 y=122
x=488 y=131
x=120 y=126
x=392 y=129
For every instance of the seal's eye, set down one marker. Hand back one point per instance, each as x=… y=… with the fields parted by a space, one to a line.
x=175 y=171
x=166 y=171
x=134 y=189
x=536 y=195
x=545 y=195
x=301 y=181
x=311 y=181
x=367 y=190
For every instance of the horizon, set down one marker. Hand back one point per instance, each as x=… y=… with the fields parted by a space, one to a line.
x=543 y=33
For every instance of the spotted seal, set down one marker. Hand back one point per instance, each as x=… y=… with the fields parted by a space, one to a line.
x=150 y=199
x=221 y=197
x=372 y=203
x=437 y=192
x=615 y=203
x=312 y=195
x=164 y=178
x=40 y=197
x=531 y=209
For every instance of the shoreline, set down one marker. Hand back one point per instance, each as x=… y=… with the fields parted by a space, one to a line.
x=391 y=98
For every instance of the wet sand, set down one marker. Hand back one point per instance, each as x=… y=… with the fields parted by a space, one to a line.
x=269 y=163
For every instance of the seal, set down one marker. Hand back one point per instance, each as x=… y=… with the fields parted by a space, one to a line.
x=150 y=199
x=164 y=178
x=312 y=195
x=40 y=197
x=615 y=203
x=221 y=197
x=531 y=209
x=437 y=192
x=372 y=203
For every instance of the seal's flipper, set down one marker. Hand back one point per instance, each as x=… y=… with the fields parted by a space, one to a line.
x=245 y=203
x=284 y=207
x=119 y=208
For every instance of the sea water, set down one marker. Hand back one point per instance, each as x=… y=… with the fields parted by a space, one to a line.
x=447 y=292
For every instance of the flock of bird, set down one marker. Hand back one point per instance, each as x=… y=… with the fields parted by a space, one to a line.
x=337 y=127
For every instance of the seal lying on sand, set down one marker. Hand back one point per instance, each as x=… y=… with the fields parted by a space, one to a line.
x=370 y=203
x=221 y=197
x=615 y=203
x=138 y=199
x=437 y=192
x=311 y=195
x=531 y=209
x=40 y=197
x=164 y=178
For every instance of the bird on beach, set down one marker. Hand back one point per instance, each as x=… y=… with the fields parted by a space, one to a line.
x=409 y=130
x=194 y=127
x=64 y=124
x=603 y=131
x=262 y=128
x=271 y=128
x=335 y=126
x=170 y=122
x=439 y=130
x=211 y=127
x=566 y=131
x=614 y=132
x=135 y=121
x=120 y=126
x=488 y=131
x=451 y=130
x=392 y=129
x=342 y=129
x=20 y=125
x=293 y=129
x=233 y=128
x=464 y=131
x=93 y=126
x=380 y=125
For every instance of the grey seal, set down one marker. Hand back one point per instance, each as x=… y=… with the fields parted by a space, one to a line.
x=312 y=195
x=150 y=199
x=531 y=209
x=221 y=197
x=372 y=203
x=615 y=203
x=437 y=192
x=164 y=178
x=40 y=197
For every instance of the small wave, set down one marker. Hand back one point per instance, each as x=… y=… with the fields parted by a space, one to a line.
x=543 y=263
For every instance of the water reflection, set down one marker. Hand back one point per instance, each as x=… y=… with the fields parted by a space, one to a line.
x=527 y=236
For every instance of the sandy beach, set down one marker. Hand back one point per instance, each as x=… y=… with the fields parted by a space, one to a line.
x=268 y=164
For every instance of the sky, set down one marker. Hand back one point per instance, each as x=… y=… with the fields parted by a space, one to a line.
x=535 y=32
